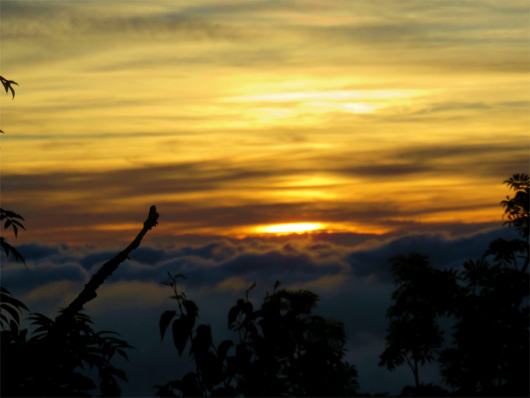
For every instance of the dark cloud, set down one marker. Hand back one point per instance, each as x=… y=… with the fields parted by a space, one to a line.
x=35 y=19
x=171 y=178
x=149 y=256
x=443 y=253
x=360 y=301
x=292 y=260
x=467 y=150
x=277 y=263
x=451 y=106
x=34 y=252
x=213 y=251
x=21 y=281
x=93 y=259
x=495 y=159
x=389 y=171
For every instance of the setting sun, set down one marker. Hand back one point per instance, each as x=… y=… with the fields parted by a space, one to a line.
x=291 y=228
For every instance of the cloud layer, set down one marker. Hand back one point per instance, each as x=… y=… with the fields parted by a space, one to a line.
x=353 y=281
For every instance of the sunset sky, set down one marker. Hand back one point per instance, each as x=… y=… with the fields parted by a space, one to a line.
x=381 y=127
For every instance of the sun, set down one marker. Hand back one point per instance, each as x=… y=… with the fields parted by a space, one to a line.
x=297 y=228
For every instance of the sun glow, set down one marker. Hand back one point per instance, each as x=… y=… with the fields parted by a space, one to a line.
x=291 y=228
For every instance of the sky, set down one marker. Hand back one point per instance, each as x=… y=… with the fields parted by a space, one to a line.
x=379 y=127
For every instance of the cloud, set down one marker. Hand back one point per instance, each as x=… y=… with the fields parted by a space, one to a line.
x=96 y=259
x=442 y=253
x=20 y=281
x=349 y=272
x=82 y=20
x=33 y=252
x=130 y=295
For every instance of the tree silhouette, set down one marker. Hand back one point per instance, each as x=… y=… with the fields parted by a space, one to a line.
x=11 y=218
x=413 y=334
x=491 y=337
x=488 y=299
x=282 y=350
x=52 y=361
x=516 y=208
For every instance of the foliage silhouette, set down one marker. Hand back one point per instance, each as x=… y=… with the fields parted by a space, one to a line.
x=8 y=85
x=488 y=299
x=516 y=208
x=12 y=218
x=51 y=363
x=413 y=334
x=282 y=349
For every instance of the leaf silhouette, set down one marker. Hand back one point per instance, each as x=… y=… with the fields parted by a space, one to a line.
x=181 y=330
x=191 y=308
x=223 y=349
x=164 y=322
x=203 y=340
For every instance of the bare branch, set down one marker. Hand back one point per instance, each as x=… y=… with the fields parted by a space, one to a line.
x=89 y=292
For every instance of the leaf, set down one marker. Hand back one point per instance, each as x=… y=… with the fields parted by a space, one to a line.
x=191 y=308
x=247 y=308
x=202 y=341
x=107 y=332
x=118 y=372
x=81 y=382
x=18 y=223
x=13 y=301
x=12 y=312
x=17 y=255
x=8 y=248
x=41 y=329
x=7 y=224
x=164 y=322
x=181 y=330
x=14 y=327
x=232 y=315
x=223 y=349
x=122 y=353
x=39 y=319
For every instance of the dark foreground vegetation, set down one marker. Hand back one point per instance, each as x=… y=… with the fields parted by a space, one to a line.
x=282 y=348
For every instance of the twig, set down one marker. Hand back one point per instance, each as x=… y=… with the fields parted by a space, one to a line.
x=89 y=292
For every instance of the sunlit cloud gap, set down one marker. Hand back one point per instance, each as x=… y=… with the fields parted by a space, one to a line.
x=290 y=228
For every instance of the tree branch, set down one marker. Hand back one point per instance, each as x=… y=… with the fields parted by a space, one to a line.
x=89 y=292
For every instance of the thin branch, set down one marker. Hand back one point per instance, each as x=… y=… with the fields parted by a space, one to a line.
x=89 y=292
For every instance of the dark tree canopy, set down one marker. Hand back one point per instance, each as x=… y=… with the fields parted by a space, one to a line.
x=282 y=350
x=53 y=362
x=488 y=354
